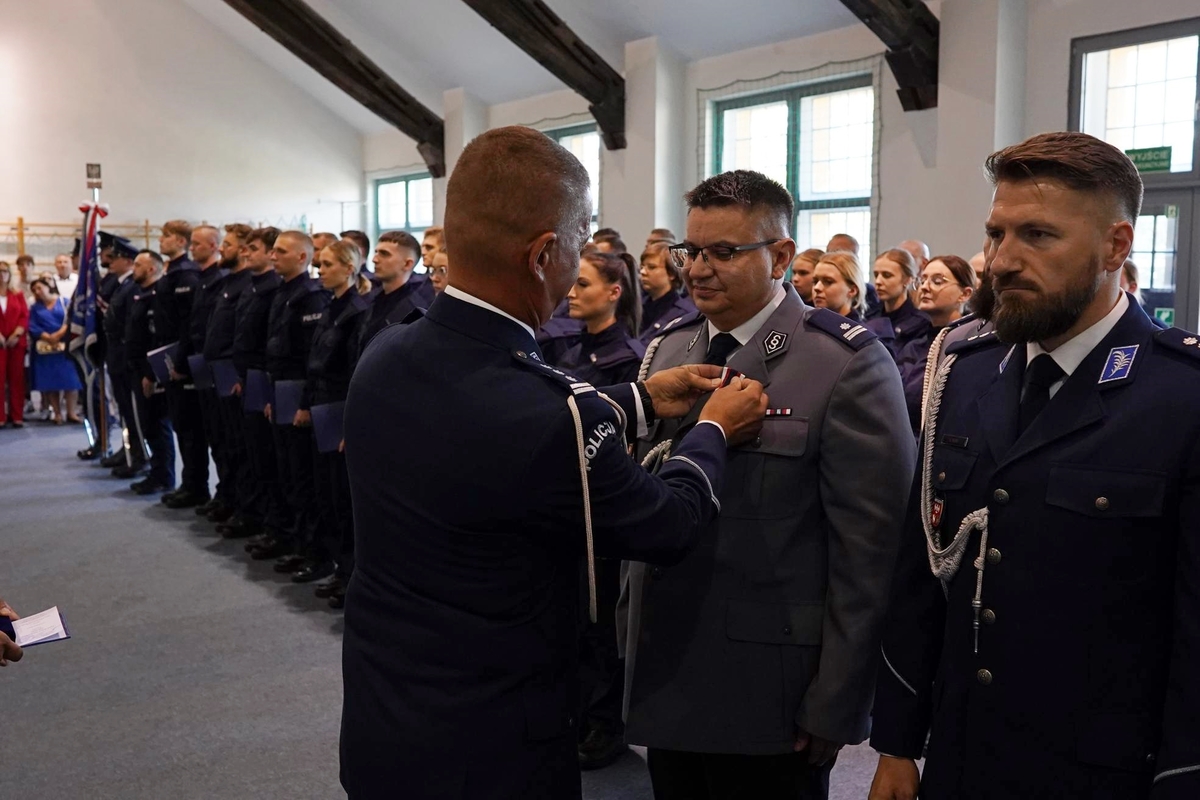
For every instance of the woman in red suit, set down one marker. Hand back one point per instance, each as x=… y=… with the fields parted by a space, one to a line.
x=14 y=320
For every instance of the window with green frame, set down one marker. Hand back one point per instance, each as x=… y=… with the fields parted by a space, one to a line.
x=404 y=203
x=584 y=142
x=818 y=140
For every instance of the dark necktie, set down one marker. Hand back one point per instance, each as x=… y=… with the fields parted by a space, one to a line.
x=719 y=349
x=1040 y=375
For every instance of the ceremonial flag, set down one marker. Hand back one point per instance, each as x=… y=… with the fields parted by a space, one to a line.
x=82 y=311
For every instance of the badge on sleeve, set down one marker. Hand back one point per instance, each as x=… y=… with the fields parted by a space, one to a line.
x=1119 y=363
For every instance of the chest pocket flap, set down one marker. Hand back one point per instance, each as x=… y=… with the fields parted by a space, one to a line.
x=1103 y=493
x=774 y=623
x=952 y=467
x=783 y=436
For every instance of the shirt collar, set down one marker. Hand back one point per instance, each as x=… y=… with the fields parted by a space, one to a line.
x=1070 y=354
x=459 y=294
x=745 y=332
x=124 y=277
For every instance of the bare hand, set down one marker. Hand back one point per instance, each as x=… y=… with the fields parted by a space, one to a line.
x=895 y=779
x=267 y=412
x=147 y=387
x=303 y=419
x=738 y=408
x=237 y=390
x=7 y=611
x=342 y=446
x=674 y=391
x=175 y=376
x=9 y=650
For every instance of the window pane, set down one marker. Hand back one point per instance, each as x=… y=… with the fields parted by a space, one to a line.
x=815 y=228
x=586 y=147
x=837 y=133
x=755 y=138
x=1143 y=96
x=391 y=209
x=420 y=203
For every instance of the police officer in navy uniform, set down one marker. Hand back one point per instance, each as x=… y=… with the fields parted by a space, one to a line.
x=558 y=334
x=1043 y=630
x=480 y=476
x=174 y=298
x=401 y=291
x=296 y=310
x=331 y=361
x=215 y=265
x=143 y=334
x=125 y=464
x=605 y=299
x=662 y=286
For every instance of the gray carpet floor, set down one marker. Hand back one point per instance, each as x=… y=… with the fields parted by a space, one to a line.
x=192 y=672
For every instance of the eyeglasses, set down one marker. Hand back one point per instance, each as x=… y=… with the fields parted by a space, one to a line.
x=686 y=253
x=937 y=281
x=437 y=270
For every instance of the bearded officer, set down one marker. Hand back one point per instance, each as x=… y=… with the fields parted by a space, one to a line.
x=481 y=479
x=1043 y=630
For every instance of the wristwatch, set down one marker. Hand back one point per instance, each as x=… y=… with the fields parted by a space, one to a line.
x=647 y=403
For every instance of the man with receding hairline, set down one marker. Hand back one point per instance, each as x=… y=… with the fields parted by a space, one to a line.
x=482 y=480
x=1043 y=636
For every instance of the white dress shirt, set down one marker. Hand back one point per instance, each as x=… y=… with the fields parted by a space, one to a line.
x=745 y=332
x=1071 y=353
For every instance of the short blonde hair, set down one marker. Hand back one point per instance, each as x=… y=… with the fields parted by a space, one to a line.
x=848 y=266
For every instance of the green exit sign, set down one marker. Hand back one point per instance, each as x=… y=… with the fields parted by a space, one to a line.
x=1151 y=159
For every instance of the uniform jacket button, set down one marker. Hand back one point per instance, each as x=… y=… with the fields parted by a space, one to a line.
x=1151 y=758
x=989 y=616
x=787 y=630
x=1102 y=503
x=993 y=556
x=656 y=572
x=1000 y=496
x=984 y=676
x=941 y=477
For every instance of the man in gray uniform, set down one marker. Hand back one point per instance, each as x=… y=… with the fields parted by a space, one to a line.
x=750 y=663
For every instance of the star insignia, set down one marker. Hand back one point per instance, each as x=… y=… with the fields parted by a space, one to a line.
x=845 y=326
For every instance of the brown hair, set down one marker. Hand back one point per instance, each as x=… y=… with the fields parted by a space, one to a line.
x=851 y=272
x=25 y=261
x=178 y=227
x=964 y=273
x=1131 y=271
x=812 y=255
x=360 y=239
x=664 y=249
x=5 y=267
x=621 y=269
x=1077 y=160
x=662 y=235
x=266 y=235
x=402 y=239
x=438 y=233
x=903 y=259
x=240 y=230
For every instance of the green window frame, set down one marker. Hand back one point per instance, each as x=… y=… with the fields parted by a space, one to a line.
x=564 y=136
x=794 y=98
x=411 y=187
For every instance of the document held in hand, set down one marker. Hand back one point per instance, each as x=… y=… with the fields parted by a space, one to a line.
x=162 y=361
x=48 y=626
x=287 y=401
x=259 y=391
x=225 y=377
x=327 y=426
x=201 y=374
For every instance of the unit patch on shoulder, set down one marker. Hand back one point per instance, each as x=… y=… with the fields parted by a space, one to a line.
x=1119 y=363
x=851 y=333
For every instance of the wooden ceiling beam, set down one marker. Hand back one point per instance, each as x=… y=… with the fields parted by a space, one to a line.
x=910 y=31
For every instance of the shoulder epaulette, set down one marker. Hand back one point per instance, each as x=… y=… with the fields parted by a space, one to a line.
x=560 y=377
x=679 y=323
x=854 y=335
x=630 y=350
x=975 y=342
x=1178 y=339
x=966 y=320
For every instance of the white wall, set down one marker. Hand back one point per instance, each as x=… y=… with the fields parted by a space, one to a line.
x=185 y=122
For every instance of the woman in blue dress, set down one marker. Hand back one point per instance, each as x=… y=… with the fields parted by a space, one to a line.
x=53 y=373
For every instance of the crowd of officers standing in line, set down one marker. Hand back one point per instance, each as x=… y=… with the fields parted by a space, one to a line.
x=249 y=301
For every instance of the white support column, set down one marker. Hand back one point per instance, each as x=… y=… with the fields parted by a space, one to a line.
x=465 y=118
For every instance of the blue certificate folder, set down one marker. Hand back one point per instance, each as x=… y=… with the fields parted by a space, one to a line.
x=225 y=377
x=258 y=391
x=327 y=426
x=162 y=361
x=201 y=375
x=287 y=401
x=47 y=622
